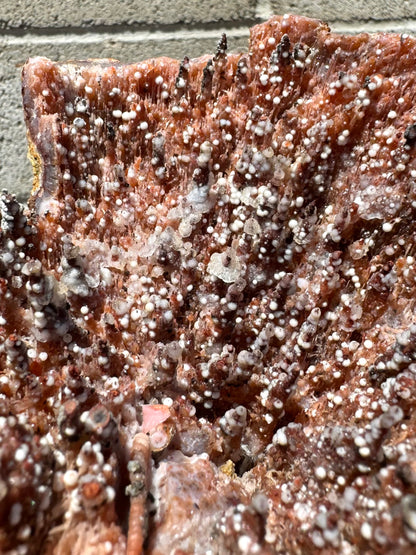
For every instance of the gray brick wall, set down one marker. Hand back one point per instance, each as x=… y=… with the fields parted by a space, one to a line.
x=130 y=30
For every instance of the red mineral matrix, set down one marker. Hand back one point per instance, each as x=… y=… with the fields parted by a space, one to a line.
x=207 y=314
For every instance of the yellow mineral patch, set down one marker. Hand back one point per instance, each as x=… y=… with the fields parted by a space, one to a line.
x=34 y=159
x=228 y=468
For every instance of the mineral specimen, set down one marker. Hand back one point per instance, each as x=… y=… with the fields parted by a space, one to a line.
x=207 y=315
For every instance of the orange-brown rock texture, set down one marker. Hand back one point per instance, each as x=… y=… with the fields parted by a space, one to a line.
x=207 y=314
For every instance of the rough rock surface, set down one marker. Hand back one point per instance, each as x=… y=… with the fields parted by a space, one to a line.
x=209 y=309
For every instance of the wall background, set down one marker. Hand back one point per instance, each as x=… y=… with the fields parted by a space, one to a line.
x=131 y=30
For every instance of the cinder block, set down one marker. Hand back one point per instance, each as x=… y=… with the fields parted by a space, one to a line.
x=339 y=11
x=83 y=13
x=15 y=170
